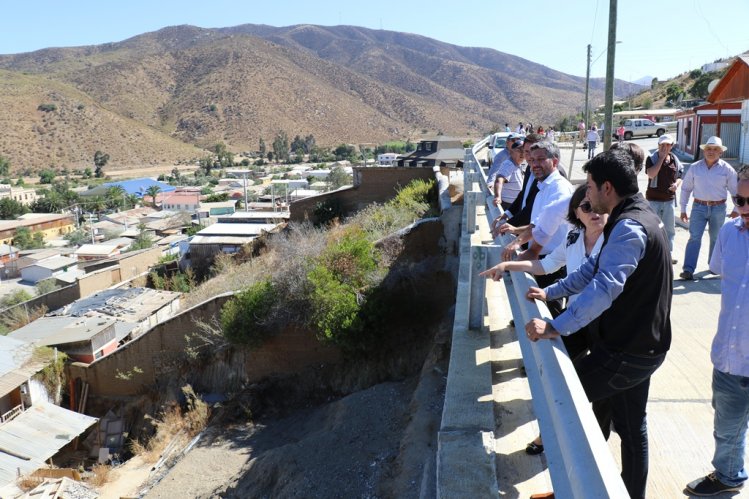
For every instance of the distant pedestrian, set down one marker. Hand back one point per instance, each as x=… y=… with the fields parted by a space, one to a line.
x=540 y=130
x=581 y=131
x=620 y=133
x=664 y=172
x=550 y=134
x=592 y=139
x=520 y=129
x=730 y=352
x=708 y=180
x=507 y=127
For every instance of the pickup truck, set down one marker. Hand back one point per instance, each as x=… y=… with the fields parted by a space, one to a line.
x=645 y=128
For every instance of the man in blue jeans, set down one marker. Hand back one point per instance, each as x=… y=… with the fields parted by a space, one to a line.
x=664 y=172
x=730 y=352
x=631 y=273
x=708 y=180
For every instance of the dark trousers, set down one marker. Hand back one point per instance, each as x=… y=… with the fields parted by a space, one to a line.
x=625 y=380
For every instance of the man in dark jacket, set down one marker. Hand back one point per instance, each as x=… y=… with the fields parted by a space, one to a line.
x=624 y=296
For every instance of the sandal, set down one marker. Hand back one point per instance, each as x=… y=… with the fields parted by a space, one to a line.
x=534 y=449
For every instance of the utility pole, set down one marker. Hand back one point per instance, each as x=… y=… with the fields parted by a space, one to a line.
x=609 y=104
x=586 y=118
x=244 y=183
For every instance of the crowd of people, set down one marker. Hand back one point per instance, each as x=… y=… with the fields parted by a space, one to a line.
x=605 y=250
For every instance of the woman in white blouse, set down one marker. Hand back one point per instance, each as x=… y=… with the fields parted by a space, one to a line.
x=583 y=240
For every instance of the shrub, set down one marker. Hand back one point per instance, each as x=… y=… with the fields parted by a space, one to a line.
x=244 y=317
x=46 y=286
x=335 y=306
x=14 y=298
x=47 y=108
x=340 y=282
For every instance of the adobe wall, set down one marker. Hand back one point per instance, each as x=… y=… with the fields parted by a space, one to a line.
x=372 y=185
x=159 y=354
x=96 y=281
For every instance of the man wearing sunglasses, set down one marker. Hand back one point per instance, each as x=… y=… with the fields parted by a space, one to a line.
x=730 y=351
x=707 y=180
x=624 y=297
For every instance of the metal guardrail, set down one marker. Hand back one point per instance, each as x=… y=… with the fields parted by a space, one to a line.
x=579 y=460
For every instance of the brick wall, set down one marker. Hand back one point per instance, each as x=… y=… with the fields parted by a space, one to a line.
x=159 y=354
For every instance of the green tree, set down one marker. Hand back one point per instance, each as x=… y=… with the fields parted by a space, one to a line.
x=47 y=176
x=87 y=172
x=115 y=197
x=262 y=148
x=10 y=209
x=345 y=152
x=695 y=73
x=281 y=146
x=4 y=166
x=24 y=239
x=78 y=237
x=152 y=192
x=673 y=91
x=699 y=87
x=100 y=161
x=653 y=83
x=338 y=177
x=143 y=240
x=224 y=157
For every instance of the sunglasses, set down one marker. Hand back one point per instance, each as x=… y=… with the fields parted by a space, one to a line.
x=587 y=208
x=740 y=201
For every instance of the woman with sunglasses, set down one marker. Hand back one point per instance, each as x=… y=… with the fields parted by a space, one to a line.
x=583 y=240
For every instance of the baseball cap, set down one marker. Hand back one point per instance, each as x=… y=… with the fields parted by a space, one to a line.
x=665 y=139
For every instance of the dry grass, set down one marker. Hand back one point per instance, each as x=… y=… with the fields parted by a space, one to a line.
x=28 y=482
x=100 y=474
x=175 y=426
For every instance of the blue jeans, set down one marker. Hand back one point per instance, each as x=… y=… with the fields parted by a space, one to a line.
x=713 y=217
x=665 y=211
x=591 y=148
x=731 y=404
x=625 y=380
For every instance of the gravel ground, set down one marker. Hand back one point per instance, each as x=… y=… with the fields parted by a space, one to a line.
x=346 y=448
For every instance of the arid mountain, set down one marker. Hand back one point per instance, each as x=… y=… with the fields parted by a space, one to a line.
x=159 y=97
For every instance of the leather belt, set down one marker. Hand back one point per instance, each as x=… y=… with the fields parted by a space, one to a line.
x=709 y=203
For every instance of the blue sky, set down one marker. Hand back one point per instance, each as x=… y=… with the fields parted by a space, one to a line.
x=659 y=39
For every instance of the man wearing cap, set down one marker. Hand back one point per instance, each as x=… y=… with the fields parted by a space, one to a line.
x=708 y=180
x=509 y=178
x=664 y=171
x=730 y=352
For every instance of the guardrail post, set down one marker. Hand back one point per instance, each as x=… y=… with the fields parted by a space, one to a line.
x=482 y=256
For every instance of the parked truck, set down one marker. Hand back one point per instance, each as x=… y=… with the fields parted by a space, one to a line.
x=645 y=128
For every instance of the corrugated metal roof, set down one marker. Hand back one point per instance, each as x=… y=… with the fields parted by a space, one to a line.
x=201 y=240
x=236 y=229
x=37 y=434
x=96 y=249
x=56 y=262
x=49 y=331
x=17 y=363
